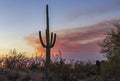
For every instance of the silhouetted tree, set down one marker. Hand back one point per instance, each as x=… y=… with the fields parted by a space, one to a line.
x=111 y=44
x=111 y=49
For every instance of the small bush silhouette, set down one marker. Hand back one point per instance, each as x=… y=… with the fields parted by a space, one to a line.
x=14 y=60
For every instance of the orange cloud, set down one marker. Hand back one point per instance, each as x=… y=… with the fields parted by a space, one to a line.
x=34 y=41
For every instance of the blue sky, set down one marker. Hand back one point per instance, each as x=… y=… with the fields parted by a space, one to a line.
x=20 y=18
x=29 y=15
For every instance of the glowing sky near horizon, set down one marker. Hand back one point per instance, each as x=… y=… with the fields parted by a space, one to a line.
x=20 y=19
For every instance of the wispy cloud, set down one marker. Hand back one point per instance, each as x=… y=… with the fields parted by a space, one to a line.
x=78 y=42
x=93 y=10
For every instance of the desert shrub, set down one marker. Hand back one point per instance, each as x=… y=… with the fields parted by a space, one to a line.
x=14 y=60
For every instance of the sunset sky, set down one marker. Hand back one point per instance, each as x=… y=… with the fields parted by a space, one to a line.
x=79 y=25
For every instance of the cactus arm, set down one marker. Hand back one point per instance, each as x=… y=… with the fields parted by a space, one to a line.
x=51 y=37
x=40 y=36
x=53 y=43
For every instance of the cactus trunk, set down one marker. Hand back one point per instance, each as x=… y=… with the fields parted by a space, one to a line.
x=47 y=55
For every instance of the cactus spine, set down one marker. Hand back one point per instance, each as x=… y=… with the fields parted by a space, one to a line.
x=50 y=38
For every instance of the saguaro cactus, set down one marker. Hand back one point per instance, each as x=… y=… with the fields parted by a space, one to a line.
x=50 y=38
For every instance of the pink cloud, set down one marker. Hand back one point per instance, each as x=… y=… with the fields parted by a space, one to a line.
x=80 y=42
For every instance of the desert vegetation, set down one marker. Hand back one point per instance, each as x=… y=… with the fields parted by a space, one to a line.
x=19 y=68
x=15 y=66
